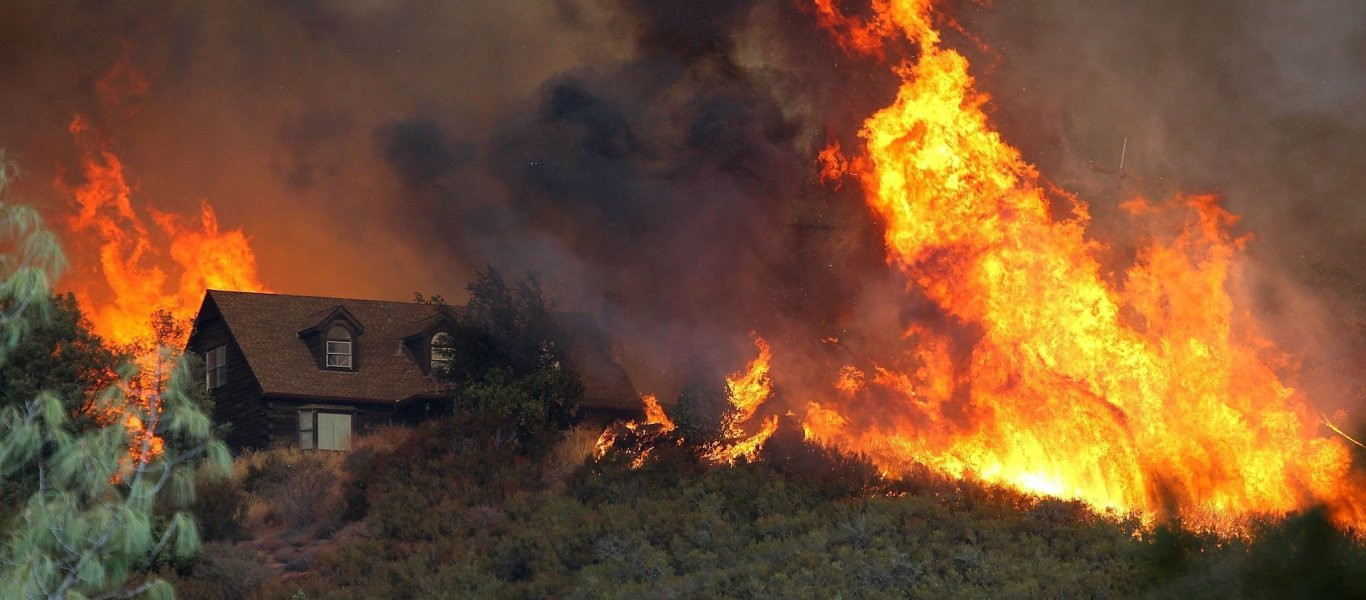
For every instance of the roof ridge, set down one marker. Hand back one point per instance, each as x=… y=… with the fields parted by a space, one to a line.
x=309 y=296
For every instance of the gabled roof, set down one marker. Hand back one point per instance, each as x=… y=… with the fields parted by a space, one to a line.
x=317 y=321
x=266 y=328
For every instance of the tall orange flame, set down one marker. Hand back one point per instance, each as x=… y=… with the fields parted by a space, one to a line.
x=655 y=415
x=747 y=390
x=123 y=292
x=1150 y=395
x=131 y=279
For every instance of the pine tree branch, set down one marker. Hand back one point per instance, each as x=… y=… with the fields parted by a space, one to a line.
x=129 y=593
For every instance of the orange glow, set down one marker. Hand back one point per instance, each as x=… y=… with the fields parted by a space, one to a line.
x=123 y=269
x=654 y=413
x=851 y=380
x=606 y=440
x=833 y=165
x=131 y=278
x=1148 y=392
x=637 y=438
x=854 y=36
x=747 y=390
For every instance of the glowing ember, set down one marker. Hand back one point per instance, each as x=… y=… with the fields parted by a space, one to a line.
x=606 y=440
x=637 y=439
x=1151 y=394
x=834 y=166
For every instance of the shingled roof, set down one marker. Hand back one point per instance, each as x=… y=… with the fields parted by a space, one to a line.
x=266 y=328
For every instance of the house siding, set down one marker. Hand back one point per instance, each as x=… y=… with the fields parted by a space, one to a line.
x=237 y=402
x=283 y=416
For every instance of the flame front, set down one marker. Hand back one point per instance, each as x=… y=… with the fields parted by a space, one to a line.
x=746 y=390
x=130 y=282
x=1148 y=395
x=655 y=415
x=123 y=294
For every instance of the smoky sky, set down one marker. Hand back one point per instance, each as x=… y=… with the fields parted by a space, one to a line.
x=652 y=161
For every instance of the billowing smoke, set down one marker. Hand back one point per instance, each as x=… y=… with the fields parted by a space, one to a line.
x=674 y=190
x=653 y=161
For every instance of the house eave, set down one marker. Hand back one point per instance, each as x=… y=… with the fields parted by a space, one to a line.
x=269 y=395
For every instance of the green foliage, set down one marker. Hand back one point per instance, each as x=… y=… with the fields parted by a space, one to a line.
x=1301 y=556
x=88 y=526
x=509 y=361
x=455 y=511
x=62 y=355
x=698 y=413
x=829 y=472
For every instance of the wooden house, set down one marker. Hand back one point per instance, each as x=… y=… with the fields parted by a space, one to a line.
x=313 y=370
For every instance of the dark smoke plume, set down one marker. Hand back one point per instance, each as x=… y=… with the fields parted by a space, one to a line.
x=653 y=160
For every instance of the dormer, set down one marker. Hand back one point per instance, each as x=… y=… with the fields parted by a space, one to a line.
x=431 y=344
x=332 y=338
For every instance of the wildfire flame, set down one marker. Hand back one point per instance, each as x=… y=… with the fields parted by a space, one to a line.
x=130 y=267
x=747 y=390
x=642 y=435
x=654 y=413
x=131 y=279
x=1152 y=395
x=121 y=266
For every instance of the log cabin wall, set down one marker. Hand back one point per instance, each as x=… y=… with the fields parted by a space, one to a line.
x=237 y=402
x=283 y=416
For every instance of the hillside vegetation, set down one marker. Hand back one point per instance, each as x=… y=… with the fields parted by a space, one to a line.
x=450 y=511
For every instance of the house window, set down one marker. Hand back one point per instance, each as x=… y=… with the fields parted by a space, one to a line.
x=442 y=352
x=324 y=430
x=338 y=348
x=215 y=367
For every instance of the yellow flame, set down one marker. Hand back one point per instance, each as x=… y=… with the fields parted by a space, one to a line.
x=1127 y=396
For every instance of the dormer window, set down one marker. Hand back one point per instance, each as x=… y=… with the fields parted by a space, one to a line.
x=442 y=347
x=338 y=348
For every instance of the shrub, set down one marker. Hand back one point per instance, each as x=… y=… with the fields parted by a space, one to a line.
x=575 y=447
x=700 y=408
x=220 y=507
x=222 y=572
x=359 y=467
x=294 y=489
x=510 y=359
x=831 y=472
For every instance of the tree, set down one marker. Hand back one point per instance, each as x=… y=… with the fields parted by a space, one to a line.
x=90 y=528
x=701 y=405
x=509 y=358
x=61 y=354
